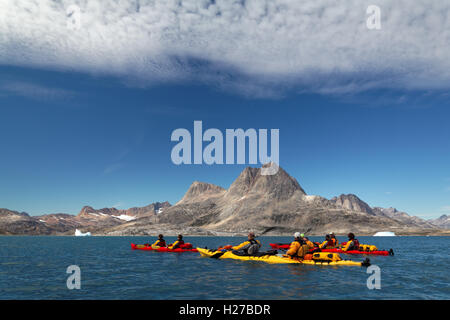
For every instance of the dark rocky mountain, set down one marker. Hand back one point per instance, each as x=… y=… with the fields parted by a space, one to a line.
x=266 y=204
x=13 y=222
x=275 y=204
x=153 y=209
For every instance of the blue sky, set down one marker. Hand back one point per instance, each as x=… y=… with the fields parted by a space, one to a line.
x=70 y=139
x=90 y=92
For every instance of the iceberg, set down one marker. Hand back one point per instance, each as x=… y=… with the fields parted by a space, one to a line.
x=384 y=234
x=78 y=233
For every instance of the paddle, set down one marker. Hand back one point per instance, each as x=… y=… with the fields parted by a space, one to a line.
x=308 y=231
x=217 y=255
x=267 y=230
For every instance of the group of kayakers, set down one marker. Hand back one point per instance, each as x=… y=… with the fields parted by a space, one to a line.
x=300 y=248
x=161 y=242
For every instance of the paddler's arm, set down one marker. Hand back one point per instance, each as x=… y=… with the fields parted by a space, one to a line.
x=243 y=244
x=173 y=246
x=347 y=245
x=156 y=243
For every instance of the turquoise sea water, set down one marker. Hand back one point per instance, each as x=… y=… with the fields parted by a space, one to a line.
x=35 y=268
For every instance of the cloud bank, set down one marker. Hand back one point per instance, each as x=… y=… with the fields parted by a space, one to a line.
x=255 y=47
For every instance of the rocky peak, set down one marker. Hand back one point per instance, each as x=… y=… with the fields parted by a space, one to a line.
x=150 y=210
x=441 y=222
x=390 y=212
x=5 y=212
x=159 y=206
x=353 y=203
x=280 y=185
x=86 y=210
x=201 y=190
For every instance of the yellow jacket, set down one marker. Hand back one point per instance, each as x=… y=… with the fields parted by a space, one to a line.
x=176 y=244
x=297 y=250
x=310 y=244
x=244 y=245
x=348 y=245
x=326 y=244
x=158 y=244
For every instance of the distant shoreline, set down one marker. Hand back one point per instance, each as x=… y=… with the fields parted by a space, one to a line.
x=438 y=234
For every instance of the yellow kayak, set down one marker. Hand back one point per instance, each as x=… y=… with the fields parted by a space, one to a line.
x=277 y=259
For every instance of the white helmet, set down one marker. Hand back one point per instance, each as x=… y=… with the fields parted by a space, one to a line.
x=331 y=232
x=297 y=235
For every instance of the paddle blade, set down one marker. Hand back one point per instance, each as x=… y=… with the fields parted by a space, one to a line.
x=217 y=255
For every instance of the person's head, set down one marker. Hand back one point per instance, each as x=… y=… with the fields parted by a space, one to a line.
x=180 y=237
x=332 y=235
x=297 y=235
x=251 y=235
x=160 y=236
x=327 y=237
x=351 y=236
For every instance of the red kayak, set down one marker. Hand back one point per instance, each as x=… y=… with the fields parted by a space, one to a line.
x=187 y=247
x=378 y=252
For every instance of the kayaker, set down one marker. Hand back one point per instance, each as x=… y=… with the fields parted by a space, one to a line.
x=352 y=243
x=335 y=240
x=159 y=243
x=177 y=243
x=307 y=242
x=250 y=247
x=298 y=247
x=328 y=243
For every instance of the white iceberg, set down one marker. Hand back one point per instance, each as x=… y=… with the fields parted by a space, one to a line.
x=384 y=234
x=78 y=233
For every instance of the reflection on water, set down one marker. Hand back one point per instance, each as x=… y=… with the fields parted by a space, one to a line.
x=35 y=268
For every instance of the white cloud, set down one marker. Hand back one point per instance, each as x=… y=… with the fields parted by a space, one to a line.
x=258 y=47
x=34 y=91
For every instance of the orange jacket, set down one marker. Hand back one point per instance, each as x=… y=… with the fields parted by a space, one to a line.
x=297 y=250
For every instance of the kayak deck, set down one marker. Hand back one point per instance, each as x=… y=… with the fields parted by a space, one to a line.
x=336 y=250
x=276 y=259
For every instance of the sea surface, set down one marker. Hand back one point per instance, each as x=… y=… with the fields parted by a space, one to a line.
x=35 y=268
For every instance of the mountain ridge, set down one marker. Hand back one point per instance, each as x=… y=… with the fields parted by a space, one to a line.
x=254 y=201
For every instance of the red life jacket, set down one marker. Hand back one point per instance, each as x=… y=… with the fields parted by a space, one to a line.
x=161 y=243
x=355 y=244
x=179 y=244
x=331 y=243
